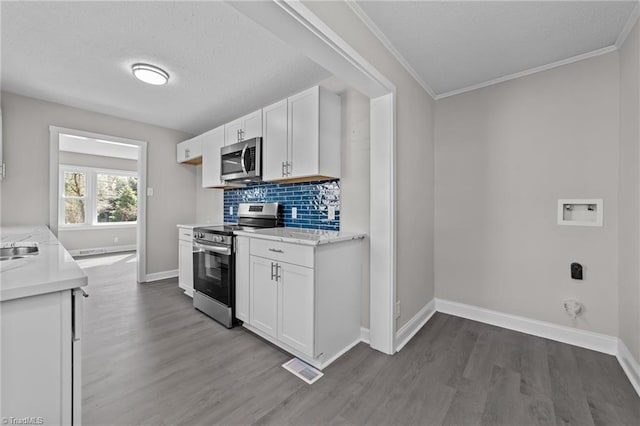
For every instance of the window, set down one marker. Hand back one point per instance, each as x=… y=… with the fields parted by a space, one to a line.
x=74 y=197
x=95 y=197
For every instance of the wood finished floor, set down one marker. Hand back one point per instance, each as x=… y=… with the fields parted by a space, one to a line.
x=150 y=358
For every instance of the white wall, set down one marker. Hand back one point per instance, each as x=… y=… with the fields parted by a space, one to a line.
x=414 y=158
x=25 y=191
x=354 y=179
x=629 y=239
x=98 y=161
x=83 y=239
x=504 y=156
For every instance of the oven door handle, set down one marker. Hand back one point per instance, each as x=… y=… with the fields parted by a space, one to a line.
x=198 y=248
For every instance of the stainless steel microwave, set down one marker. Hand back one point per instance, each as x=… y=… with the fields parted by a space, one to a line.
x=242 y=161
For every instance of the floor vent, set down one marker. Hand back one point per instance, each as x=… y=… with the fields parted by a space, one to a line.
x=303 y=370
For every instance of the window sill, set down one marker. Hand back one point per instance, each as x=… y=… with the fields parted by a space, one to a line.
x=96 y=227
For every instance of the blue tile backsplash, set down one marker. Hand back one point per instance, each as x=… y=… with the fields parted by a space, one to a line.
x=312 y=200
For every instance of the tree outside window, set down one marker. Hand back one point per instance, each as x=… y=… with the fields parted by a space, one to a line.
x=97 y=197
x=117 y=198
x=75 y=184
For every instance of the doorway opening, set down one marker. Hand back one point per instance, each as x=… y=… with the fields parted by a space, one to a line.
x=97 y=194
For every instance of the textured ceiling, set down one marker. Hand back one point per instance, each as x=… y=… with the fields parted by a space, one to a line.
x=453 y=45
x=222 y=65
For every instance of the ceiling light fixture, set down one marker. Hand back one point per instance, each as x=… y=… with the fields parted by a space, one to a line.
x=150 y=74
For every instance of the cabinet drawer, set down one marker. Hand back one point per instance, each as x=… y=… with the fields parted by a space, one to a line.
x=284 y=252
x=185 y=234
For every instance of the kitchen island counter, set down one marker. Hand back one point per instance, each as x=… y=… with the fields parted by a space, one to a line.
x=51 y=270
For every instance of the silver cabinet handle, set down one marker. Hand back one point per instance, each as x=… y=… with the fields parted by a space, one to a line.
x=278 y=276
x=283 y=169
x=288 y=168
x=272 y=274
x=276 y=250
x=187 y=153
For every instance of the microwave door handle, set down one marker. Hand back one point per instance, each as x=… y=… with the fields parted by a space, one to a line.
x=244 y=151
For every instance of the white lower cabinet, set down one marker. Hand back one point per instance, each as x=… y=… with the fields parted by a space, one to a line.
x=185 y=260
x=302 y=298
x=41 y=358
x=264 y=296
x=295 y=307
x=242 y=310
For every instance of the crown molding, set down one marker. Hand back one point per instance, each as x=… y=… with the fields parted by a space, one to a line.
x=633 y=18
x=368 y=22
x=360 y=13
x=530 y=71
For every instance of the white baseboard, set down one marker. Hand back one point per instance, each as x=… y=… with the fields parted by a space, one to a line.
x=629 y=364
x=572 y=336
x=364 y=335
x=157 y=276
x=414 y=325
x=101 y=250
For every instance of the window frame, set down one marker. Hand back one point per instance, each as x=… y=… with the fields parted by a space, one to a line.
x=90 y=197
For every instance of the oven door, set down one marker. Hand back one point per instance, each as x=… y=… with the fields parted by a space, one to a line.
x=213 y=272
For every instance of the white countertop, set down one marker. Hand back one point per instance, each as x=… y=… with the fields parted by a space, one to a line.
x=52 y=269
x=191 y=225
x=311 y=237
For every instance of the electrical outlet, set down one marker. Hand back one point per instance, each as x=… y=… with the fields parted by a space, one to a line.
x=397 y=309
x=115 y=239
x=294 y=212
x=332 y=212
x=149 y=192
x=231 y=210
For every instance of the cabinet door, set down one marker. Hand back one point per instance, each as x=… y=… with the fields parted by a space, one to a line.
x=231 y=130
x=212 y=141
x=274 y=142
x=242 y=279
x=190 y=151
x=296 y=307
x=252 y=125
x=304 y=116
x=185 y=270
x=264 y=296
x=37 y=365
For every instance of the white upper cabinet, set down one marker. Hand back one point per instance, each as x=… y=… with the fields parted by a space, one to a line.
x=313 y=137
x=212 y=141
x=247 y=127
x=190 y=151
x=275 y=141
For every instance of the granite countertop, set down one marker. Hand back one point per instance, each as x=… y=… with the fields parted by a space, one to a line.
x=51 y=270
x=311 y=237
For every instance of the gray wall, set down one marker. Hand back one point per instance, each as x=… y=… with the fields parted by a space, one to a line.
x=354 y=179
x=209 y=202
x=83 y=239
x=629 y=241
x=414 y=159
x=504 y=156
x=25 y=191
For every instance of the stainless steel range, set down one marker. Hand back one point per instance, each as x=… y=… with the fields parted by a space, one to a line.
x=214 y=260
